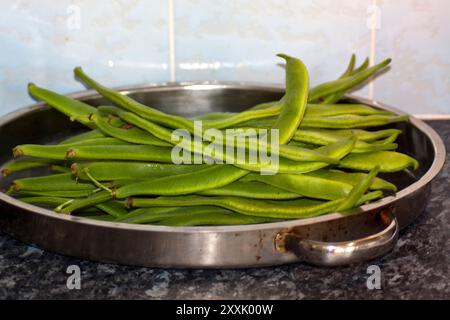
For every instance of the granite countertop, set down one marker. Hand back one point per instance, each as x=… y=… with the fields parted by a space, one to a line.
x=418 y=268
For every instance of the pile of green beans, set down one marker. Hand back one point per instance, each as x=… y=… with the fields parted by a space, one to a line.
x=121 y=169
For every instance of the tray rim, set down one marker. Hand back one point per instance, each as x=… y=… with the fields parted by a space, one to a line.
x=430 y=174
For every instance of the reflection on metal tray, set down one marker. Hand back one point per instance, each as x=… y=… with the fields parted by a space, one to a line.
x=332 y=239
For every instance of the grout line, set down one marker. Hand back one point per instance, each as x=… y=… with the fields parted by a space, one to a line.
x=172 y=66
x=373 y=44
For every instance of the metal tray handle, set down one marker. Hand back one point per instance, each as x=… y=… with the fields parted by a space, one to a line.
x=341 y=253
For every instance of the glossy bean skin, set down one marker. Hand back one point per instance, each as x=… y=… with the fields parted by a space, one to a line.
x=251 y=189
x=333 y=122
x=337 y=150
x=289 y=152
x=306 y=185
x=345 y=83
x=121 y=152
x=303 y=208
x=120 y=170
x=113 y=208
x=295 y=99
x=68 y=106
x=24 y=164
x=210 y=177
x=328 y=110
x=150 y=215
x=59 y=152
x=89 y=135
x=388 y=161
x=132 y=135
x=55 y=193
x=358 y=190
x=226 y=119
x=213 y=219
x=77 y=204
x=352 y=121
x=327 y=136
x=51 y=202
x=360 y=146
x=353 y=178
x=57 y=182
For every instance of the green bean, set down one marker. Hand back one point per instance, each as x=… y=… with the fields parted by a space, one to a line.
x=128 y=103
x=336 y=150
x=68 y=106
x=186 y=183
x=294 y=100
x=327 y=136
x=260 y=208
x=23 y=164
x=58 y=152
x=362 y=67
x=360 y=146
x=250 y=189
x=345 y=83
x=113 y=208
x=59 y=169
x=89 y=135
x=306 y=185
x=358 y=190
x=388 y=161
x=333 y=122
x=44 y=201
x=73 y=205
x=332 y=98
x=165 y=135
x=327 y=110
x=250 y=207
x=121 y=152
x=352 y=178
x=107 y=171
x=149 y=215
x=57 y=182
x=352 y=121
x=227 y=119
x=133 y=135
x=213 y=219
x=55 y=193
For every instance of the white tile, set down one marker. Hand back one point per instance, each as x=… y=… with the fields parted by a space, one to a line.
x=118 y=42
x=416 y=35
x=238 y=40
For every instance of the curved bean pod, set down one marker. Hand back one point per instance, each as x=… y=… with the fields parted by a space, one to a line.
x=68 y=106
x=345 y=83
x=213 y=219
x=118 y=170
x=210 y=177
x=57 y=182
x=388 y=161
x=149 y=215
x=128 y=103
x=352 y=178
x=251 y=189
x=133 y=135
x=89 y=135
x=306 y=185
x=295 y=99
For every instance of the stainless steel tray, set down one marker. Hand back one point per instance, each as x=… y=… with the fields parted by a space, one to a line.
x=332 y=239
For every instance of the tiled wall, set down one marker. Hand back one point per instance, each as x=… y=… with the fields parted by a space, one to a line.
x=123 y=42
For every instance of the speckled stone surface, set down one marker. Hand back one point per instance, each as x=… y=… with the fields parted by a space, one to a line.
x=418 y=268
